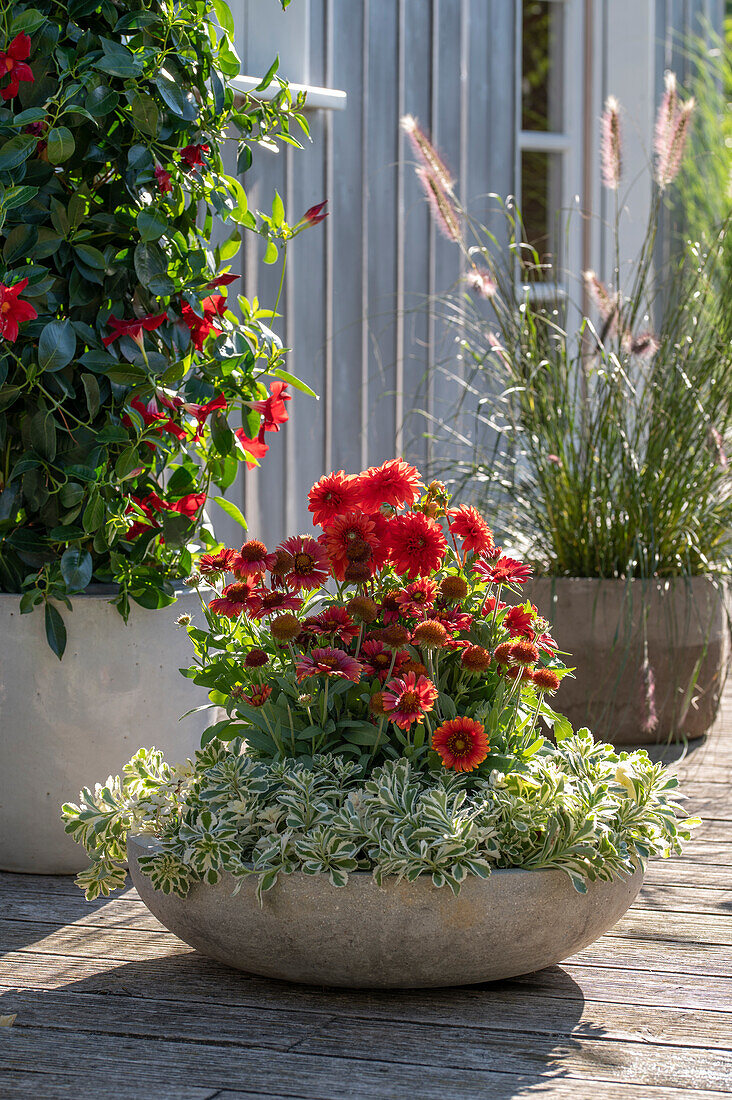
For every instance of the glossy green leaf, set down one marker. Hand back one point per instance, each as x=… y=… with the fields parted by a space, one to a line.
x=231 y=510
x=76 y=569
x=56 y=345
x=60 y=144
x=55 y=630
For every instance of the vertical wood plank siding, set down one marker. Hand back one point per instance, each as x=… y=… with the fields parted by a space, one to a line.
x=356 y=301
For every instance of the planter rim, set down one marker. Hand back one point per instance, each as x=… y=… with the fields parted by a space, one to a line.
x=102 y=592
x=682 y=578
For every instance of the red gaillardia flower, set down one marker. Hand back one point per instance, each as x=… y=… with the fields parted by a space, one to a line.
x=133 y=328
x=546 y=680
x=346 y=533
x=329 y=662
x=162 y=179
x=453 y=588
x=212 y=565
x=524 y=652
x=259 y=695
x=234 y=599
x=475 y=658
x=504 y=570
x=517 y=621
x=417 y=544
x=502 y=653
x=334 y=495
x=417 y=598
x=454 y=618
x=255 y=658
x=252 y=560
x=286 y=627
x=394 y=483
x=430 y=634
x=12 y=62
x=310 y=565
x=462 y=743
x=335 y=620
x=467 y=524
x=377 y=659
x=191 y=155
x=13 y=311
x=408 y=700
x=266 y=603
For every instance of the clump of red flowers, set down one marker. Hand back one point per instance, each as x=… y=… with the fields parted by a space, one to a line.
x=383 y=633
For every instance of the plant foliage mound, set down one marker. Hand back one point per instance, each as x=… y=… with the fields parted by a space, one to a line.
x=124 y=373
x=386 y=710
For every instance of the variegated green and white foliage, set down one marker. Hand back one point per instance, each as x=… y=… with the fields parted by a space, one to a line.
x=577 y=806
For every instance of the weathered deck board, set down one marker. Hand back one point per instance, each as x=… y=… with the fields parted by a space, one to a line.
x=107 y=1000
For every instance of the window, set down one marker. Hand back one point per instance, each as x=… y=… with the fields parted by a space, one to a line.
x=549 y=37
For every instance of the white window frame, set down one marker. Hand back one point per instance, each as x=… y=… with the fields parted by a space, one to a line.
x=567 y=143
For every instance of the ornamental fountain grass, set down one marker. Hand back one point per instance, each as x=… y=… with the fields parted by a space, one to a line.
x=593 y=424
x=130 y=389
x=390 y=768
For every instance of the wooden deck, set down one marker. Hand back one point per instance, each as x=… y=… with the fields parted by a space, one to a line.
x=110 y=1004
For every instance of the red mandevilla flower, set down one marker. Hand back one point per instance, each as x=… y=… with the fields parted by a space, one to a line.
x=314 y=213
x=133 y=328
x=192 y=157
x=163 y=180
x=201 y=327
x=13 y=311
x=12 y=63
x=273 y=408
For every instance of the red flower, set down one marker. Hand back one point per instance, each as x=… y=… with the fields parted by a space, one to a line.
x=335 y=620
x=139 y=525
x=417 y=598
x=265 y=603
x=252 y=560
x=349 y=534
x=13 y=312
x=394 y=482
x=211 y=565
x=273 y=408
x=163 y=179
x=518 y=622
x=328 y=662
x=254 y=449
x=201 y=327
x=12 y=61
x=461 y=743
x=333 y=496
x=454 y=618
x=546 y=643
x=133 y=328
x=202 y=412
x=191 y=155
x=188 y=505
x=503 y=571
x=377 y=659
x=490 y=605
x=259 y=695
x=310 y=565
x=407 y=700
x=234 y=599
x=314 y=215
x=468 y=524
x=546 y=680
x=151 y=414
x=417 y=544
x=390 y=609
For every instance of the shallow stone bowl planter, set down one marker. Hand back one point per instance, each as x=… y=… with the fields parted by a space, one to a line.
x=402 y=935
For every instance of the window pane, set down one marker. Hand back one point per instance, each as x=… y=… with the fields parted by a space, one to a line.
x=541 y=191
x=541 y=81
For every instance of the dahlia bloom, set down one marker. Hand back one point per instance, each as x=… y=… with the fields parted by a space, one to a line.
x=467 y=524
x=328 y=662
x=517 y=621
x=461 y=743
x=394 y=483
x=334 y=495
x=417 y=544
x=408 y=700
x=309 y=562
x=346 y=534
x=13 y=311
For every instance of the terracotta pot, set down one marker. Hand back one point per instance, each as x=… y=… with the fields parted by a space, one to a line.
x=71 y=723
x=609 y=627
x=403 y=935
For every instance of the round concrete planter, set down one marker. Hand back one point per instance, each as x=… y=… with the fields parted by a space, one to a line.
x=600 y=623
x=68 y=724
x=402 y=935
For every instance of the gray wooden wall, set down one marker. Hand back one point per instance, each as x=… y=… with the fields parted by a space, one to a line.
x=356 y=310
